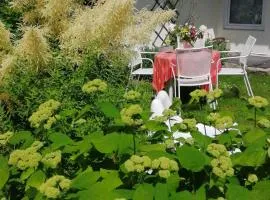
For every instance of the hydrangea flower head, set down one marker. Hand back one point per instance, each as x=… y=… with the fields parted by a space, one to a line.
x=51 y=188
x=95 y=85
x=5 y=137
x=174 y=165
x=52 y=159
x=252 y=178
x=190 y=123
x=212 y=117
x=147 y=162
x=45 y=111
x=264 y=123
x=223 y=123
x=129 y=166
x=155 y=164
x=164 y=173
x=197 y=94
x=258 y=102
x=132 y=95
x=169 y=144
x=214 y=94
x=164 y=163
x=131 y=115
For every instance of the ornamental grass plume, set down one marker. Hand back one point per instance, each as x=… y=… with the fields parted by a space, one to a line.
x=5 y=42
x=111 y=26
x=6 y=65
x=56 y=14
x=34 y=49
x=31 y=10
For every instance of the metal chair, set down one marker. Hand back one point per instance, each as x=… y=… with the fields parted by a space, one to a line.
x=241 y=70
x=192 y=68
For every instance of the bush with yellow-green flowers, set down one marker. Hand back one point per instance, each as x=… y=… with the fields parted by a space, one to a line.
x=131 y=115
x=26 y=158
x=221 y=164
x=224 y=123
x=51 y=160
x=5 y=137
x=95 y=85
x=166 y=115
x=258 y=102
x=264 y=123
x=214 y=94
x=45 y=112
x=197 y=95
x=169 y=143
x=212 y=117
x=164 y=166
x=132 y=95
x=53 y=187
x=190 y=124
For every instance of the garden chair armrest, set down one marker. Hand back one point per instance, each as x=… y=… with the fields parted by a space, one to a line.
x=148 y=60
x=148 y=52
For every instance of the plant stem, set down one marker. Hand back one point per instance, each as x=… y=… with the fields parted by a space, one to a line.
x=255 y=117
x=134 y=143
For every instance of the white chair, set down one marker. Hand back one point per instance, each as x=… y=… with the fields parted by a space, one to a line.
x=192 y=68
x=164 y=99
x=241 y=69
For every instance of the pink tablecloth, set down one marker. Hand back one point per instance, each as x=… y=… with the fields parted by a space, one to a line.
x=163 y=73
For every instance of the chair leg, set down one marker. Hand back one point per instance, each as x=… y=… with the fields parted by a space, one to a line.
x=179 y=91
x=249 y=86
x=130 y=78
x=245 y=81
x=214 y=103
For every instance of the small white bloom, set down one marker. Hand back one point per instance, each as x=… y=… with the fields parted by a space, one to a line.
x=186 y=24
x=171 y=27
x=203 y=28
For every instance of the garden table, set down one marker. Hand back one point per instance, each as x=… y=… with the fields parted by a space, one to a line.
x=163 y=73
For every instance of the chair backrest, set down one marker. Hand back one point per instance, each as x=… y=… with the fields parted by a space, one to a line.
x=199 y=43
x=136 y=59
x=247 y=48
x=164 y=99
x=194 y=62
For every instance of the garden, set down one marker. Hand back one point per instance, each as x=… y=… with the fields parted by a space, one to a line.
x=69 y=128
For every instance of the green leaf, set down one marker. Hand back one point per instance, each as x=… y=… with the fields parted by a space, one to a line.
x=173 y=183
x=144 y=192
x=152 y=147
x=161 y=192
x=236 y=192
x=85 y=179
x=261 y=190
x=122 y=193
x=36 y=179
x=201 y=139
x=253 y=136
x=201 y=193
x=253 y=157
x=191 y=158
x=109 y=109
x=59 y=140
x=185 y=195
x=153 y=125
x=4 y=171
x=106 y=144
x=23 y=137
x=27 y=173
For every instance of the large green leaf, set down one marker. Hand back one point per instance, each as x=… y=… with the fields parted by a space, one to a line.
x=36 y=179
x=237 y=192
x=4 y=171
x=59 y=140
x=23 y=137
x=261 y=191
x=25 y=174
x=113 y=142
x=109 y=109
x=191 y=158
x=85 y=179
x=161 y=192
x=152 y=147
x=185 y=195
x=144 y=192
x=201 y=139
x=252 y=157
x=173 y=183
x=254 y=135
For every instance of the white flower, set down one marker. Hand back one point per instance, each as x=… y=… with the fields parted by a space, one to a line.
x=186 y=24
x=203 y=28
x=171 y=27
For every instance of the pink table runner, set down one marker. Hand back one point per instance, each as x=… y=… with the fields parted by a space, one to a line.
x=163 y=73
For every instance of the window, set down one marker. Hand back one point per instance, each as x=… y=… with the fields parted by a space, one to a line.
x=244 y=14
